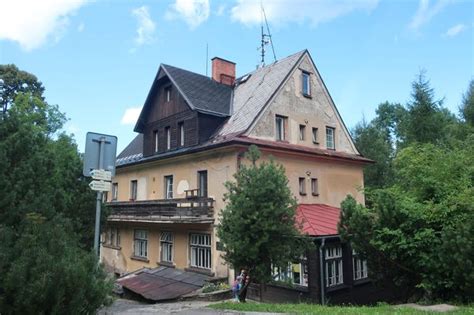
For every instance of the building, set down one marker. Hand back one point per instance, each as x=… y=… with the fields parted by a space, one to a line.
x=192 y=132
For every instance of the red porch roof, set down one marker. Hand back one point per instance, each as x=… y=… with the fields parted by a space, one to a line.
x=318 y=219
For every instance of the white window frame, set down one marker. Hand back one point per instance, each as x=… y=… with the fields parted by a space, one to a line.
x=169 y=187
x=330 y=138
x=314 y=135
x=181 y=133
x=359 y=267
x=114 y=191
x=302 y=185
x=314 y=186
x=306 y=83
x=112 y=237
x=302 y=134
x=333 y=265
x=280 y=128
x=140 y=243
x=168 y=93
x=200 y=250
x=155 y=133
x=168 y=138
x=133 y=189
x=166 y=247
x=287 y=273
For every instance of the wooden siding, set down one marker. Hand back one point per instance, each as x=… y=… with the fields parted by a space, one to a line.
x=208 y=125
x=160 y=107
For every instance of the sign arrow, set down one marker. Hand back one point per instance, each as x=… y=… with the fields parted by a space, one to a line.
x=101 y=175
x=100 y=185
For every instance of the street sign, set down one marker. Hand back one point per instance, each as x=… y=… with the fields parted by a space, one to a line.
x=100 y=185
x=101 y=175
x=99 y=147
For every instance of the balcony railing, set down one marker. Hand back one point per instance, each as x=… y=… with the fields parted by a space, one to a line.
x=191 y=209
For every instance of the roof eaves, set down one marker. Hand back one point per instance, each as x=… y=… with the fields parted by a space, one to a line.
x=138 y=126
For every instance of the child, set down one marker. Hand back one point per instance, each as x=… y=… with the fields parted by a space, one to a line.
x=236 y=287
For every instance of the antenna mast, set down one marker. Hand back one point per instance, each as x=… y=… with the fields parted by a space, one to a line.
x=266 y=38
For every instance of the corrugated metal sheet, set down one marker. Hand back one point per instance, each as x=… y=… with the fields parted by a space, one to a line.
x=163 y=283
x=318 y=219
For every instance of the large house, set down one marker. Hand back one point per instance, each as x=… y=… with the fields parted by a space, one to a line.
x=192 y=133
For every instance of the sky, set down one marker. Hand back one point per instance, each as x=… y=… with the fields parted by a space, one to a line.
x=97 y=59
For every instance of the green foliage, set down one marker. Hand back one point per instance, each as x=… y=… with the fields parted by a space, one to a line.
x=16 y=81
x=467 y=106
x=48 y=273
x=257 y=227
x=418 y=232
x=46 y=212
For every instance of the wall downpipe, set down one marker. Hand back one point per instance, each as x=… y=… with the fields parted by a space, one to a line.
x=321 y=271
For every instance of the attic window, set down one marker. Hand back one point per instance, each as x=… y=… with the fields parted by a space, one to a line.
x=168 y=93
x=306 y=87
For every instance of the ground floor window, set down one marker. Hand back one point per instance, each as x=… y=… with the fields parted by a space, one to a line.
x=294 y=273
x=200 y=248
x=166 y=244
x=333 y=266
x=140 y=243
x=359 y=267
x=112 y=236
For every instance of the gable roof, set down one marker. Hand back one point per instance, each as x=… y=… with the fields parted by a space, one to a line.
x=254 y=91
x=318 y=219
x=201 y=93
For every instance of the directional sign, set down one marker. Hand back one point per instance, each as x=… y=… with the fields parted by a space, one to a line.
x=101 y=174
x=100 y=185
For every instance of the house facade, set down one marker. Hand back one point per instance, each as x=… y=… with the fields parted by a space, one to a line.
x=192 y=133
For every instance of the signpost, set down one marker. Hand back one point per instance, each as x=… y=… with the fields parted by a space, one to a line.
x=99 y=162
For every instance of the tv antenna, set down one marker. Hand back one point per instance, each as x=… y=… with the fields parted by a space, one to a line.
x=265 y=39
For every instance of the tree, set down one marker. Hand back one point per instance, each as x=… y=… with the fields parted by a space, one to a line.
x=46 y=216
x=257 y=226
x=418 y=232
x=14 y=81
x=467 y=106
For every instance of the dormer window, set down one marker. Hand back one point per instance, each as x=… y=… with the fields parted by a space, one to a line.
x=168 y=138
x=306 y=80
x=155 y=137
x=168 y=93
x=181 y=134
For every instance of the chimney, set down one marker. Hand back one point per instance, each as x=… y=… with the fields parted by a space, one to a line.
x=223 y=71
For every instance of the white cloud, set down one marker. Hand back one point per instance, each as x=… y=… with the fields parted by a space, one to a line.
x=455 y=30
x=193 y=12
x=220 y=10
x=146 y=26
x=32 y=22
x=315 y=11
x=130 y=116
x=81 y=27
x=426 y=12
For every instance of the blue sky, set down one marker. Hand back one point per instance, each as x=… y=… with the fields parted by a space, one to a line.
x=97 y=59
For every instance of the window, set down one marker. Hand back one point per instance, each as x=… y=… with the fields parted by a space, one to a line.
x=140 y=243
x=181 y=134
x=359 y=267
x=295 y=273
x=314 y=187
x=168 y=93
x=169 y=187
x=168 y=138
x=333 y=266
x=200 y=247
x=306 y=80
x=112 y=237
x=315 y=135
x=280 y=123
x=330 y=138
x=114 y=191
x=302 y=185
x=155 y=137
x=133 y=190
x=202 y=183
x=302 y=132
x=166 y=244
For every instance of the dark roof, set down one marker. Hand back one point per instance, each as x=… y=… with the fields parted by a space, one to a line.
x=318 y=219
x=163 y=283
x=202 y=93
x=132 y=152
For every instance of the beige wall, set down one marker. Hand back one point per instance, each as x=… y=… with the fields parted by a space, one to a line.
x=317 y=111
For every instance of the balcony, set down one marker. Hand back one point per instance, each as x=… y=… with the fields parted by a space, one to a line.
x=193 y=209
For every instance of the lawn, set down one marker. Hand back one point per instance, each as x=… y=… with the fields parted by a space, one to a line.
x=318 y=309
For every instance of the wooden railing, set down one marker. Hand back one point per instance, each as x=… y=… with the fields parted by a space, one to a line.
x=172 y=208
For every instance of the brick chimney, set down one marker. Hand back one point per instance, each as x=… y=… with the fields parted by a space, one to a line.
x=223 y=71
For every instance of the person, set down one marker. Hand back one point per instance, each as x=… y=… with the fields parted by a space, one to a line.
x=236 y=287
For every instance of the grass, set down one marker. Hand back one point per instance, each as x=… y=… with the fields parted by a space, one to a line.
x=318 y=309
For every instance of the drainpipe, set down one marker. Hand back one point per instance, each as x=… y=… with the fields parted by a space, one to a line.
x=321 y=271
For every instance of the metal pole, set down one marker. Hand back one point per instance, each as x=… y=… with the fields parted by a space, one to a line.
x=99 y=200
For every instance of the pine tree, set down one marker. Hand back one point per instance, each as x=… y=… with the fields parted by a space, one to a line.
x=467 y=107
